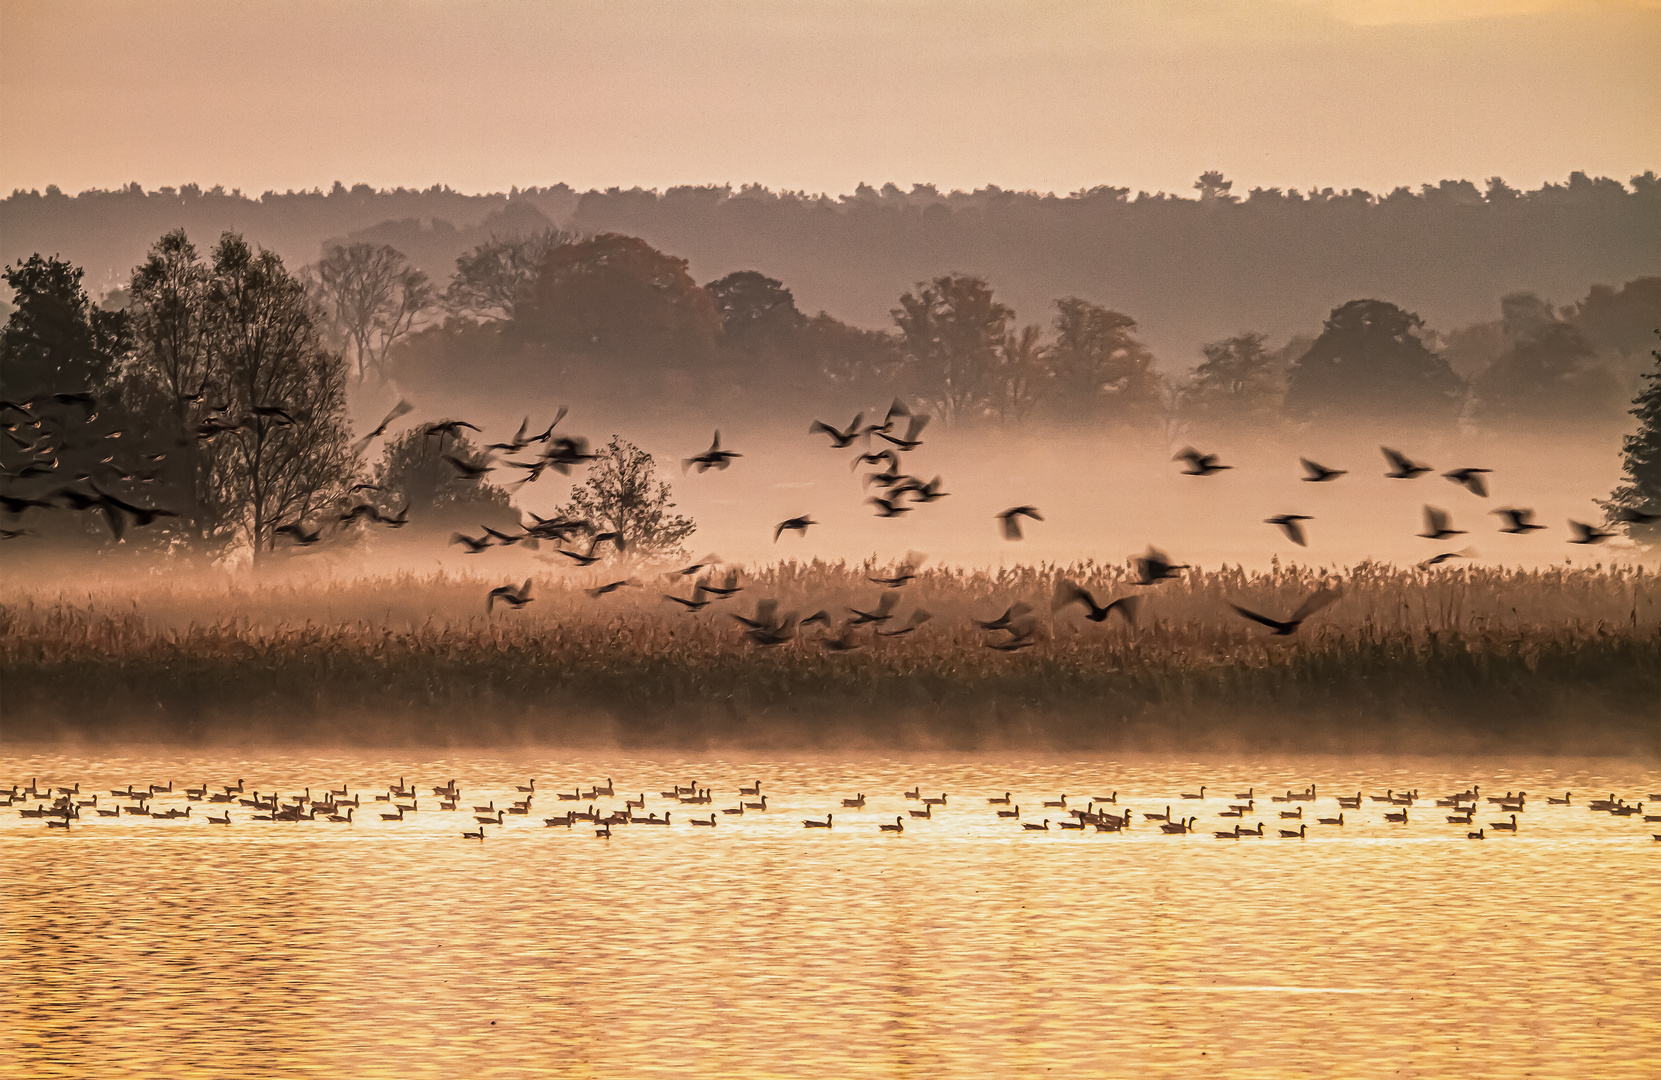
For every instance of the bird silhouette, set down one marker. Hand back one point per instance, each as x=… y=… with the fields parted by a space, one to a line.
x=919 y=491
x=1199 y=464
x=886 y=603
x=1438 y=560
x=1471 y=480
x=1518 y=520
x=517 y=597
x=886 y=457
x=1631 y=515
x=1437 y=525
x=403 y=408
x=732 y=586
x=905 y=573
x=797 y=525
x=1011 y=520
x=918 y=618
x=839 y=439
x=1013 y=613
x=274 y=412
x=1587 y=534
x=897 y=409
x=888 y=508
x=914 y=428
x=567 y=451
x=713 y=458
x=302 y=538
x=1319 y=474
x=1067 y=592
x=470 y=470
x=474 y=546
x=711 y=559
x=502 y=538
x=451 y=428
x=1402 y=467
x=1289 y=524
x=1155 y=566
x=1315 y=603
x=519 y=441
x=697 y=603
x=611 y=587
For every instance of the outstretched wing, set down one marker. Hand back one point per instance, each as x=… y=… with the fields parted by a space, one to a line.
x=1273 y=624
x=1321 y=599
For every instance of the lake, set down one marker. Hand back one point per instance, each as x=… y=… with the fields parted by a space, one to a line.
x=964 y=946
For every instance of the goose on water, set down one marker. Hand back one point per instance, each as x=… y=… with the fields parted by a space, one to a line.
x=897 y=827
x=1015 y=813
x=486 y=819
x=1478 y=835
x=762 y=805
x=1201 y=794
x=530 y=787
x=1030 y=827
x=1061 y=802
x=1400 y=818
x=1299 y=833
x=226 y=820
x=1296 y=814
x=926 y=812
x=1564 y=801
x=995 y=801
x=700 y=821
x=825 y=824
x=1339 y=820
x=1505 y=826
x=477 y=834
x=856 y=803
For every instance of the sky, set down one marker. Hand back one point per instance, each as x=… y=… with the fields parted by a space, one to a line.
x=821 y=96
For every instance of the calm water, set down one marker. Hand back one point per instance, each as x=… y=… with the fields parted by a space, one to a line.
x=965 y=947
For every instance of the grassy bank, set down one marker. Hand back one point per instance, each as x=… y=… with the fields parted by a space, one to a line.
x=1555 y=661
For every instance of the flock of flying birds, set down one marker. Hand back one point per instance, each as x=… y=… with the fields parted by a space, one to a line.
x=900 y=431
x=60 y=807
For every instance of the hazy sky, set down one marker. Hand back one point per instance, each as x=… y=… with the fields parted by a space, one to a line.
x=822 y=95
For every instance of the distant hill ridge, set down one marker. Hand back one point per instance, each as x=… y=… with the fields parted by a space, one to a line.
x=1190 y=269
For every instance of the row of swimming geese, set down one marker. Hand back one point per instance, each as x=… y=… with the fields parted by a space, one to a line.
x=58 y=807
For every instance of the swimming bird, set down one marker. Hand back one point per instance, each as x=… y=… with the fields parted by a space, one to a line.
x=1471 y=480
x=1199 y=464
x=1399 y=818
x=1402 y=467
x=1012 y=813
x=1199 y=795
x=1288 y=524
x=1299 y=834
x=713 y=458
x=797 y=525
x=1339 y=820
x=1505 y=826
x=1011 y=520
x=1315 y=603
x=997 y=801
x=1587 y=534
x=897 y=827
x=1067 y=592
x=1437 y=524
x=811 y=824
x=226 y=819
x=1030 y=827
x=1478 y=835
x=1319 y=474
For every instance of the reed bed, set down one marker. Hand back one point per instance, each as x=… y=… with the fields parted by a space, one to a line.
x=1564 y=659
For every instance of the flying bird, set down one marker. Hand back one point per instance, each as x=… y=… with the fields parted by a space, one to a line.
x=919 y=491
x=1309 y=607
x=1630 y=515
x=474 y=546
x=403 y=408
x=449 y=427
x=886 y=604
x=519 y=440
x=797 y=525
x=1015 y=612
x=1156 y=566
x=888 y=508
x=914 y=428
x=898 y=408
x=905 y=573
x=1438 y=560
x=1067 y=592
x=1436 y=525
x=612 y=587
x=470 y=470
x=302 y=538
x=1199 y=464
x=1011 y=520
x=711 y=559
x=713 y=458
x=274 y=412
x=1318 y=473
x=839 y=439
x=1289 y=524
x=697 y=603
x=918 y=618
x=1587 y=534
x=1471 y=480
x=1402 y=467
x=518 y=598
x=1519 y=521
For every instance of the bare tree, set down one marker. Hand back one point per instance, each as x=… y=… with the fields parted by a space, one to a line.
x=494 y=279
x=289 y=455
x=371 y=296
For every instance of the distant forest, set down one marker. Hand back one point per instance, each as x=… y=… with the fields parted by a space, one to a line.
x=1189 y=269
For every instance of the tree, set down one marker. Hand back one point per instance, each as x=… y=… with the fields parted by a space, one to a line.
x=1240 y=382
x=1098 y=366
x=371 y=296
x=1621 y=321
x=413 y=475
x=1544 y=378
x=622 y=493
x=1640 y=487
x=496 y=279
x=618 y=295
x=757 y=312
x=1213 y=188
x=1369 y=363
x=267 y=354
x=849 y=356
x=55 y=339
x=951 y=332
x=1023 y=372
x=171 y=367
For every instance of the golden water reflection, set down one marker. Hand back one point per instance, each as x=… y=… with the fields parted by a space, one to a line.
x=963 y=948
